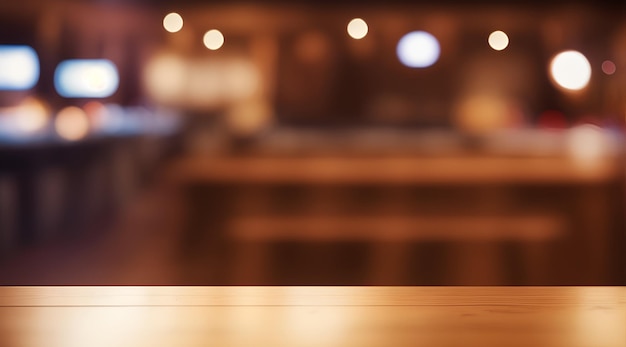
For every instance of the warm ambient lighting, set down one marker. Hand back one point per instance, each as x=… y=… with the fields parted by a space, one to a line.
x=165 y=77
x=31 y=115
x=97 y=114
x=552 y=119
x=313 y=48
x=213 y=39
x=418 y=49
x=570 y=70
x=587 y=144
x=483 y=112
x=608 y=67
x=200 y=83
x=173 y=22
x=498 y=40
x=357 y=28
x=72 y=123
x=89 y=78
x=19 y=67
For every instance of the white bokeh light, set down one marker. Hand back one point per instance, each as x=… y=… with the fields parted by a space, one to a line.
x=86 y=78
x=357 y=28
x=498 y=40
x=173 y=22
x=418 y=49
x=213 y=39
x=19 y=67
x=570 y=70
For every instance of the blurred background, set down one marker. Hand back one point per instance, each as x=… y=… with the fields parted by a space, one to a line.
x=297 y=143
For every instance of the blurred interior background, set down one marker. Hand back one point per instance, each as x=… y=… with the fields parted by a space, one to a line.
x=297 y=143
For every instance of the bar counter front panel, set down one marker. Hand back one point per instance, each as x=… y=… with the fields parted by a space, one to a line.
x=497 y=220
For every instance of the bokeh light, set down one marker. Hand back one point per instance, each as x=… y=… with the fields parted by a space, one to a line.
x=197 y=83
x=72 y=123
x=608 y=67
x=19 y=67
x=498 y=40
x=418 y=49
x=587 y=144
x=241 y=79
x=213 y=39
x=570 y=70
x=249 y=117
x=357 y=28
x=88 y=78
x=97 y=114
x=483 y=112
x=31 y=116
x=552 y=119
x=165 y=77
x=173 y=22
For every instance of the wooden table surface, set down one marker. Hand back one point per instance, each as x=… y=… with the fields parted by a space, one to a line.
x=312 y=316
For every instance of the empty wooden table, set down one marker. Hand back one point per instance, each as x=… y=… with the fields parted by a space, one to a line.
x=312 y=316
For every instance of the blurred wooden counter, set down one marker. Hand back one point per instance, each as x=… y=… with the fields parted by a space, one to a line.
x=392 y=170
x=555 y=220
x=312 y=316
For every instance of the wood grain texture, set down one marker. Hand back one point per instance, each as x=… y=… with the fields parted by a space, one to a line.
x=312 y=316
